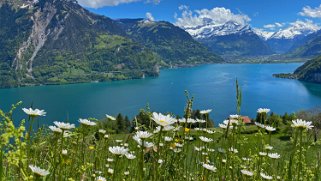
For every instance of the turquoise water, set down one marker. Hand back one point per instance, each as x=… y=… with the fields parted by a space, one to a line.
x=213 y=87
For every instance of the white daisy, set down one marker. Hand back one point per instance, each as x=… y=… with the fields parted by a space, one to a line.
x=234 y=116
x=247 y=173
x=221 y=150
x=87 y=122
x=55 y=129
x=143 y=134
x=200 y=121
x=177 y=150
x=118 y=150
x=38 y=171
x=64 y=126
x=110 y=170
x=231 y=121
x=197 y=148
x=191 y=121
x=209 y=131
x=259 y=125
x=100 y=178
x=224 y=126
x=299 y=123
x=64 y=152
x=246 y=159
x=206 y=140
x=210 y=150
x=130 y=156
x=163 y=120
x=274 y=155
x=102 y=131
x=234 y=150
x=209 y=167
x=265 y=176
x=34 y=112
x=148 y=144
x=270 y=128
x=268 y=147
x=179 y=145
x=262 y=153
x=263 y=110
x=168 y=139
x=110 y=117
x=207 y=111
x=204 y=153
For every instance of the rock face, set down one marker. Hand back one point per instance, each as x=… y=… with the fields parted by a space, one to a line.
x=58 y=41
x=310 y=71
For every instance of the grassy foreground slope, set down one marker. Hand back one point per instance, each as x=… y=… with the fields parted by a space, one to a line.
x=160 y=147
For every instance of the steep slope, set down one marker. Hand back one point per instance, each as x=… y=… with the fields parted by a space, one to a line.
x=230 y=38
x=310 y=71
x=57 y=41
x=283 y=40
x=282 y=45
x=174 y=45
x=309 y=47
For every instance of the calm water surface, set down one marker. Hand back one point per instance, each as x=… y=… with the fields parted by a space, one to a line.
x=213 y=87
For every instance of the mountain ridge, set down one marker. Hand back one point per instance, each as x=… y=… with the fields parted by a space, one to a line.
x=58 y=41
x=230 y=38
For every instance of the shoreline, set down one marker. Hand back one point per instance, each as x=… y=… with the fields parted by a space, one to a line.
x=147 y=77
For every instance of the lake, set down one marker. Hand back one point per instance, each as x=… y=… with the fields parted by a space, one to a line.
x=213 y=87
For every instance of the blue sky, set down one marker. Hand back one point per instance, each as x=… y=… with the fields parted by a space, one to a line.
x=260 y=13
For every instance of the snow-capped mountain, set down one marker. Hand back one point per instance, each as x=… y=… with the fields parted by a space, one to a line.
x=210 y=30
x=229 y=38
x=282 y=40
x=265 y=35
x=293 y=32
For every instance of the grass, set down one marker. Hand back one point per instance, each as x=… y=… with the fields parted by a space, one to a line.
x=85 y=153
x=177 y=149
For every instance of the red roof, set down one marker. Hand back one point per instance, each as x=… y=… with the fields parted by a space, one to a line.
x=246 y=120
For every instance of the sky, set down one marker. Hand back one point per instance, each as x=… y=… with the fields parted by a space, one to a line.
x=268 y=15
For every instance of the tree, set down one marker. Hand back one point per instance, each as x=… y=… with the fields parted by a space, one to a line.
x=144 y=120
x=120 y=124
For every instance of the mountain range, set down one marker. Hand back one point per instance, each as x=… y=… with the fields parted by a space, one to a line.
x=58 y=41
x=233 y=38
x=230 y=38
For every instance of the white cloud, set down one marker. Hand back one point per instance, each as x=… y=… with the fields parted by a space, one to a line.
x=218 y=15
x=304 y=25
x=149 y=16
x=269 y=26
x=102 y=3
x=279 y=24
x=311 y=12
x=273 y=26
